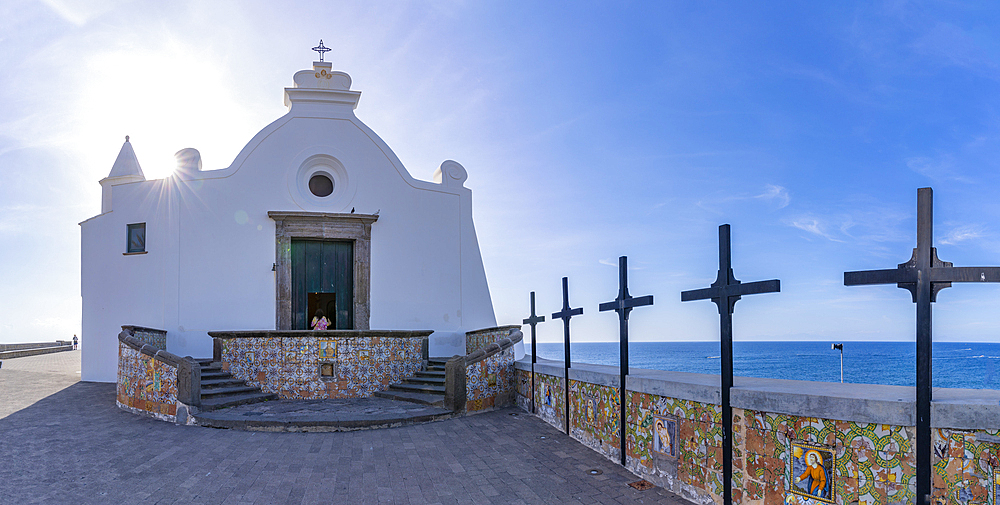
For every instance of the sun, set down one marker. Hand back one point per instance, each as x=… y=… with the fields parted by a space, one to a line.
x=165 y=98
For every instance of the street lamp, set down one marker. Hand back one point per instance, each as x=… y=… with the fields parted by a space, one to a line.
x=841 y=347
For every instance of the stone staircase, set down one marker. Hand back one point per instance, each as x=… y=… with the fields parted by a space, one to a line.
x=220 y=390
x=426 y=387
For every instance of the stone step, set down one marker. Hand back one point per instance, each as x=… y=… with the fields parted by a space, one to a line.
x=205 y=361
x=421 y=398
x=425 y=380
x=228 y=390
x=210 y=367
x=221 y=382
x=430 y=373
x=214 y=374
x=418 y=388
x=221 y=402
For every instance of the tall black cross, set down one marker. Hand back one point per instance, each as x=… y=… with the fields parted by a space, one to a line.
x=565 y=314
x=623 y=305
x=533 y=320
x=923 y=276
x=725 y=291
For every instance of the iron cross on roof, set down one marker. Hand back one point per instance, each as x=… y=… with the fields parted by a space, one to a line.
x=565 y=314
x=923 y=276
x=623 y=305
x=533 y=321
x=725 y=291
x=321 y=49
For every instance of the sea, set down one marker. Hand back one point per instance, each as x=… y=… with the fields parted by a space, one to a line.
x=972 y=365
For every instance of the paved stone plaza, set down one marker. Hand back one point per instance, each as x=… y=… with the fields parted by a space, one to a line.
x=64 y=441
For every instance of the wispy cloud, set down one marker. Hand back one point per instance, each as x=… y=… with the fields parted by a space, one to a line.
x=951 y=45
x=772 y=195
x=814 y=226
x=962 y=233
x=777 y=194
x=858 y=219
x=941 y=168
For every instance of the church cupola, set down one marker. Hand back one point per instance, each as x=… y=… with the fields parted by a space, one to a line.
x=125 y=170
x=321 y=89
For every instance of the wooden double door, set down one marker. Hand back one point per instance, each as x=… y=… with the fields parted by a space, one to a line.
x=322 y=278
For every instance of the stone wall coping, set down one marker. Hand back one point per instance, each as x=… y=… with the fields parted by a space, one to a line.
x=151 y=351
x=324 y=334
x=321 y=216
x=968 y=409
x=501 y=345
x=507 y=327
x=133 y=327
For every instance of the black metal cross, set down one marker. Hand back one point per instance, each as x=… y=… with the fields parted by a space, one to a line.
x=533 y=320
x=565 y=314
x=725 y=291
x=923 y=276
x=623 y=305
x=321 y=49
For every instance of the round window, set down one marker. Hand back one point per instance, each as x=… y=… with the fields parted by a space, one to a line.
x=321 y=185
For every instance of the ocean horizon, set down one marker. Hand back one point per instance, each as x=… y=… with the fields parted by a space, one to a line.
x=971 y=365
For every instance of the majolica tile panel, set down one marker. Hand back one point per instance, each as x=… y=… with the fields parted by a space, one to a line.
x=490 y=382
x=965 y=466
x=595 y=411
x=477 y=340
x=145 y=383
x=291 y=366
x=156 y=339
x=523 y=389
x=550 y=399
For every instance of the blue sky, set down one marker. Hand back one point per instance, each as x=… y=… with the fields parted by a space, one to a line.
x=590 y=130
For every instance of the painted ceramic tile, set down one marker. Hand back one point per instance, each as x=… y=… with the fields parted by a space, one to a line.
x=477 y=341
x=145 y=383
x=550 y=399
x=664 y=436
x=327 y=349
x=290 y=366
x=812 y=472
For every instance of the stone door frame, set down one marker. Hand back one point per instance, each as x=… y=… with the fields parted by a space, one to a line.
x=356 y=228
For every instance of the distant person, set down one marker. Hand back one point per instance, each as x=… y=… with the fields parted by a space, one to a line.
x=320 y=322
x=76 y=343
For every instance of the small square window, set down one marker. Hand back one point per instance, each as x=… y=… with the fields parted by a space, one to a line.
x=136 y=238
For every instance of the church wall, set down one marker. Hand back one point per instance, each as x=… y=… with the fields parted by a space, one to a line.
x=119 y=289
x=211 y=245
x=864 y=434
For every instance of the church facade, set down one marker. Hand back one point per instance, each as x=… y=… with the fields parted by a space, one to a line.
x=315 y=213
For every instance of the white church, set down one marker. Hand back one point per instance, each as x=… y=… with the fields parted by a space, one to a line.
x=316 y=212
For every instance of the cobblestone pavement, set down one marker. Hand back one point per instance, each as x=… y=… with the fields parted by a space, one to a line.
x=72 y=445
x=24 y=381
